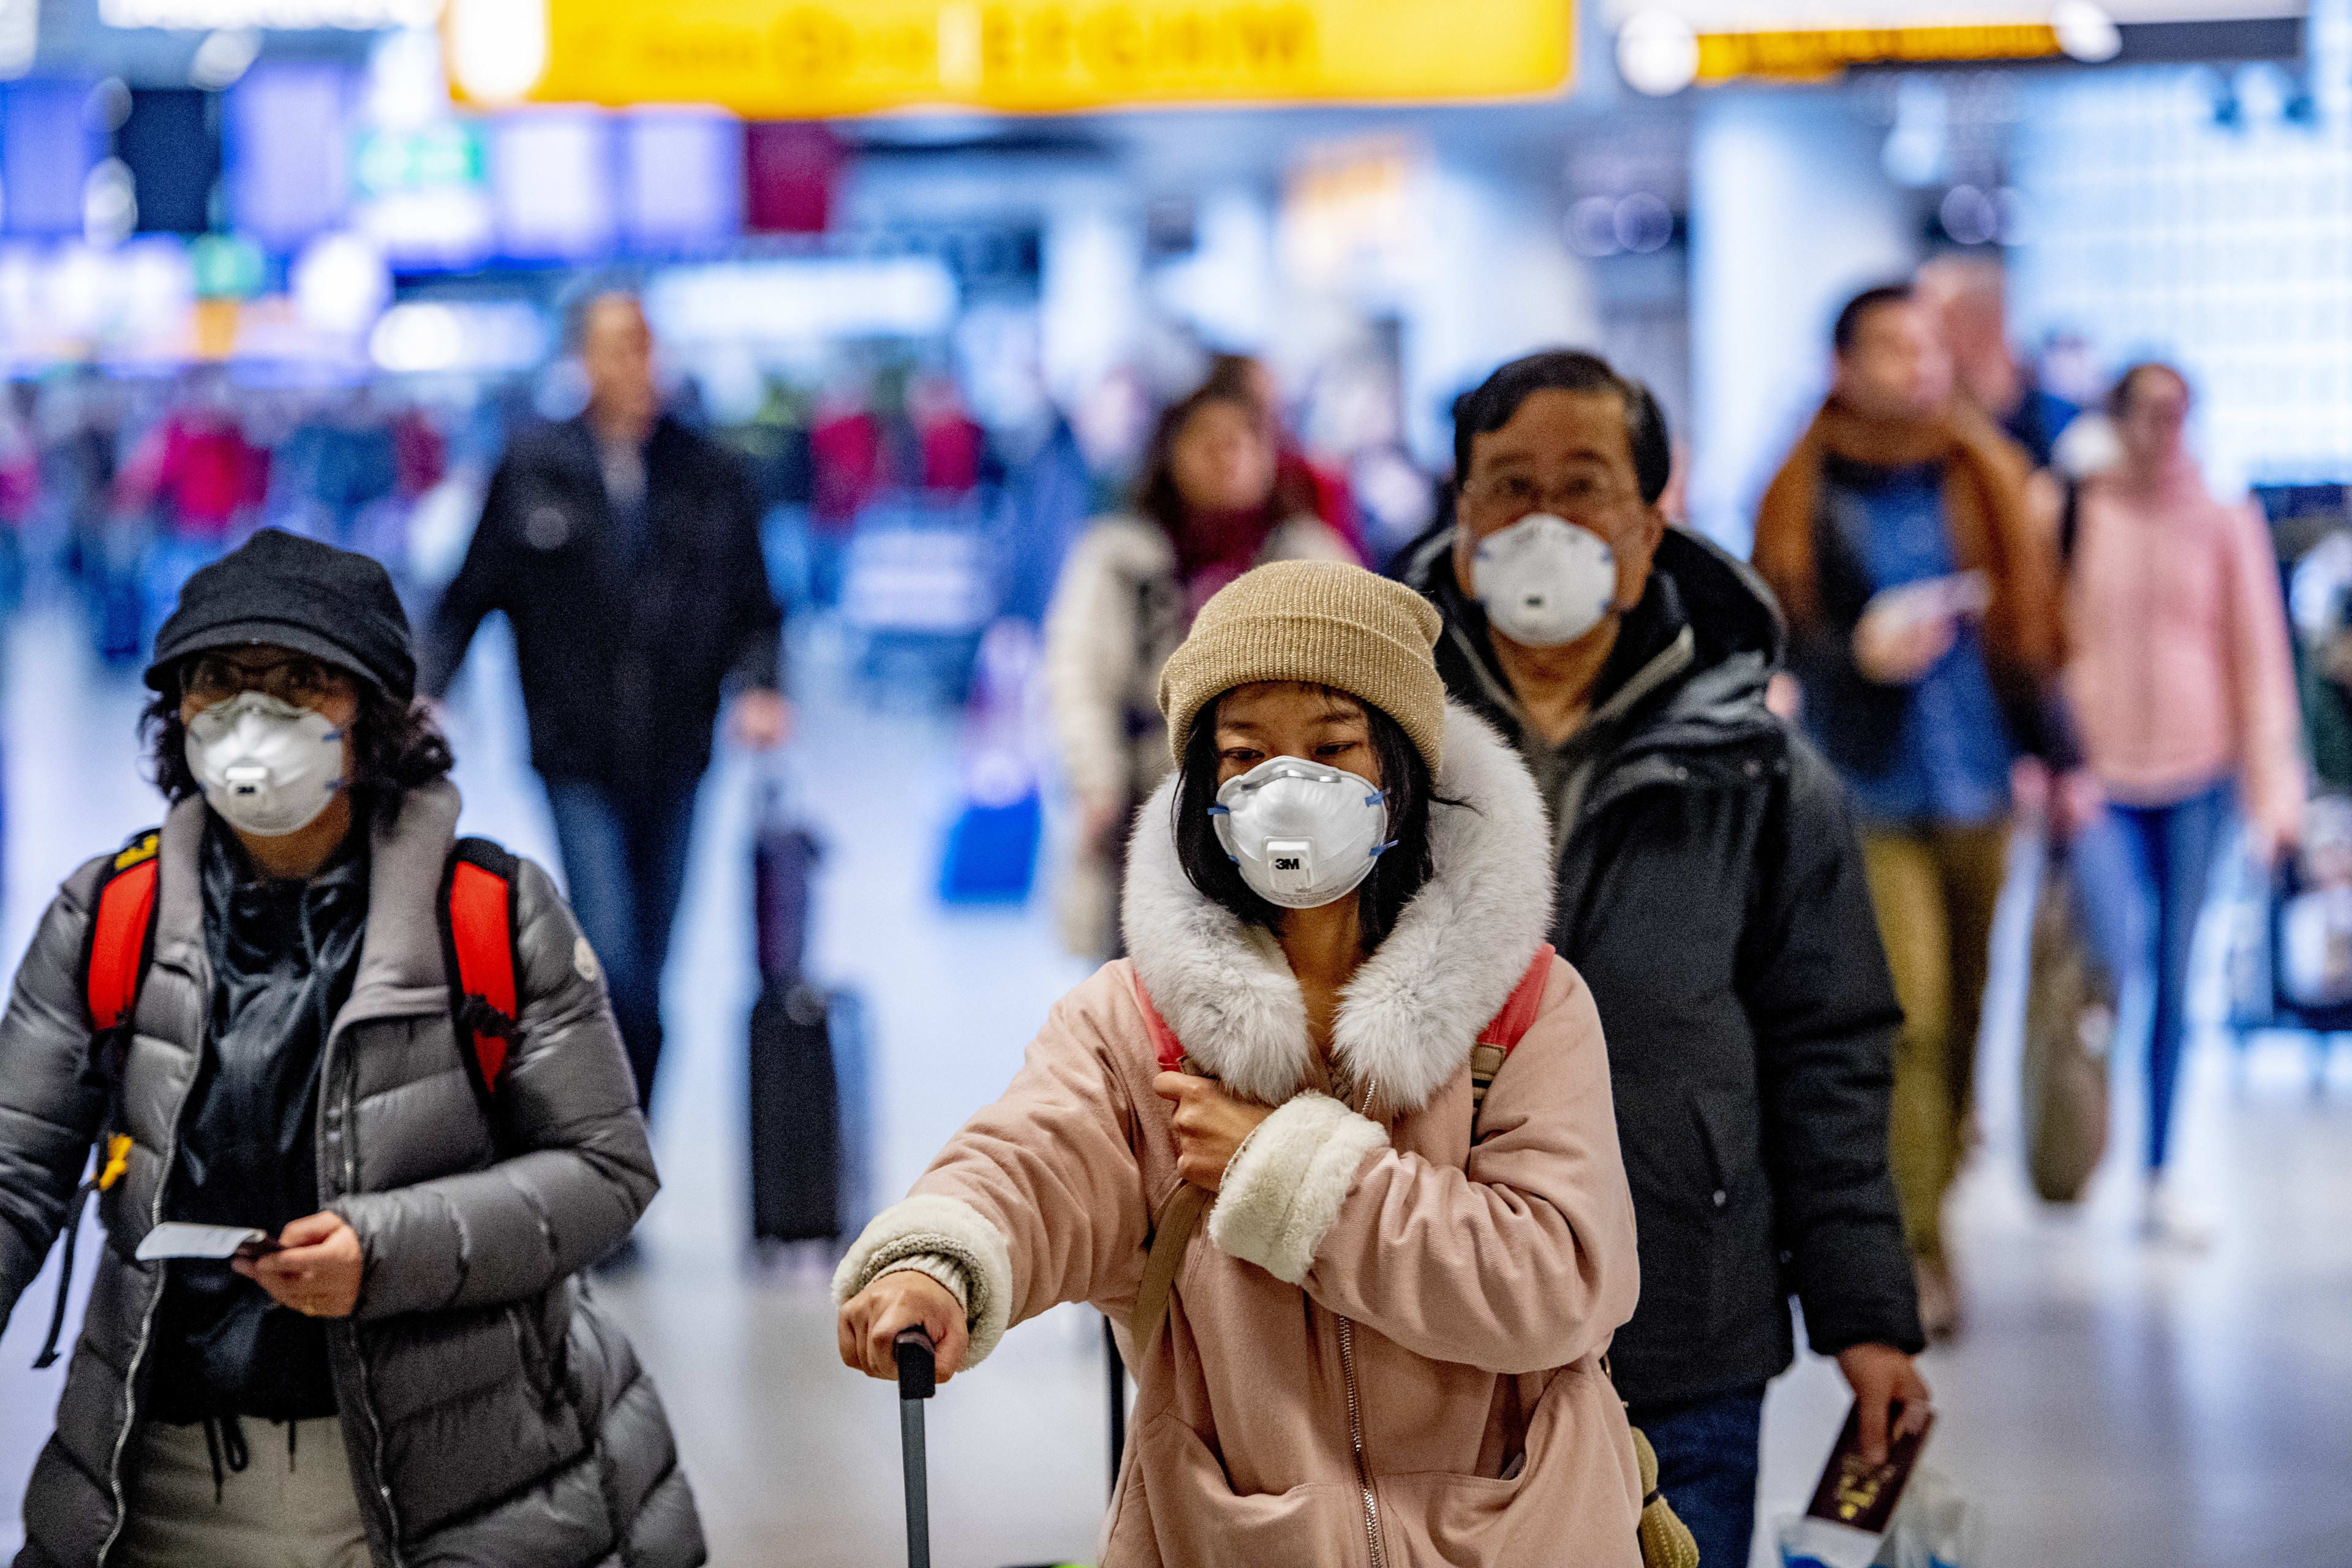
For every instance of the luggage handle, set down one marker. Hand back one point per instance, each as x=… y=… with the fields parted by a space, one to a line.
x=919 y=1367
x=919 y=1379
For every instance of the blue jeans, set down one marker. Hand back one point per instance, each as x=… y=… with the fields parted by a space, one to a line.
x=1708 y=1462
x=2151 y=879
x=625 y=861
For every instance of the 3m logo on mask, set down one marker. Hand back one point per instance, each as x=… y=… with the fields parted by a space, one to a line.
x=1292 y=864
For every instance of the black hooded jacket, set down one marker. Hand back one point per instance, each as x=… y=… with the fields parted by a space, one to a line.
x=1711 y=894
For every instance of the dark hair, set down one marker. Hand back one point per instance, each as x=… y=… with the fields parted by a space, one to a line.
x=1234 y=377
x=1402 y=868
x=1847 y=331
x=1498 y=399
x=1156 y=495
x=2119 y=396
x=398 y=744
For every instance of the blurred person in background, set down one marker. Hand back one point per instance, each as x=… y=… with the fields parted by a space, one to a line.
x=80 y=431
x=2182 y=689
x=951 y=445
x=623 y=550
x=1969 y=295
x=339 y=459
x=1384 y=1339
x=1924 y=616
x=1247 y=376
x=414 y=1374
x=1211 y=505
x=1710 y=892
x=420 y=452
x=195 y=467
x=846 y=474
x=20 y=491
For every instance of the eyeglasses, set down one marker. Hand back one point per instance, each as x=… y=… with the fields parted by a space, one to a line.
x=1581 y=492
x=305 y=682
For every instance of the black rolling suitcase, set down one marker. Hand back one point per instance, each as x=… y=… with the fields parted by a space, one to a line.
x=796 y=1116
x=796 y=1096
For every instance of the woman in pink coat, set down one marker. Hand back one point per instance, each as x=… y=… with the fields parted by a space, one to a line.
x=1383 y=1343
x=2182 y=685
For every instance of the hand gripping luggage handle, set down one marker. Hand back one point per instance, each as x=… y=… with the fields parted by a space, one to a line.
x=918 y=1372
x=919 y=1367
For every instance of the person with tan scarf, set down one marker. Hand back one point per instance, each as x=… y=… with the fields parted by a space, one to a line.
x=1925 y=631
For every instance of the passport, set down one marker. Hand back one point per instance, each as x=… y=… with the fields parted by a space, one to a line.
x=1860 y=1496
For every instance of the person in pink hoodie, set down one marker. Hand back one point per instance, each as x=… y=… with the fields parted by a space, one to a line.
x=2182 y=689
x=1383 y=1343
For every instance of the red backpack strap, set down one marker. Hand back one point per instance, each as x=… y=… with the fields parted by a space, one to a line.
x=477 y=925
x=114 y=957
x=1180 y=1213
x=1503 y=1032
x=1165 y=1043
x=121 y=933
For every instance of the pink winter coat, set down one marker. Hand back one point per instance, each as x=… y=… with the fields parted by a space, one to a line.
x=1382 y=1282
x=2180 y=675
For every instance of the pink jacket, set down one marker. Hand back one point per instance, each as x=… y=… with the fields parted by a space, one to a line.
x=2180 y=675
x=1382 y=1282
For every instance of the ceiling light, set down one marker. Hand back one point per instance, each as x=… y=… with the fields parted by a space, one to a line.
x=1657 y=53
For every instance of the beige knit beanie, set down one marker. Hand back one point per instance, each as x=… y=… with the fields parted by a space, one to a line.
x=1319 y=621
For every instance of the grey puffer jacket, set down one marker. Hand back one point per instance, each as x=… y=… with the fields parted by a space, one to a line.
x=493 y=1415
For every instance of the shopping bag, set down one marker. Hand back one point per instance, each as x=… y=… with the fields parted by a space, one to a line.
x=2315 y=917
x=2070 y=1021
x=2316 y=948
x=1935 y=1526
x=2249 y=978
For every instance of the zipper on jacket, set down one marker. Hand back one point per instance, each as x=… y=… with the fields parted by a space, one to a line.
x=154 y=1301
x=1356 y=1437
x=367 y=1406
x=1355 y=1410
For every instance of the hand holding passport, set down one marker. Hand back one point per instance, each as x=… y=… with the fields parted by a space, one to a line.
x=1856 y=1500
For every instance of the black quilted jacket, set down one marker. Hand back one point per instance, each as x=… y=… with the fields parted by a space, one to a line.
x=494 y=1416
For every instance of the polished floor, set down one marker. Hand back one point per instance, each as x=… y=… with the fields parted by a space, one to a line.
x=2110 y=1403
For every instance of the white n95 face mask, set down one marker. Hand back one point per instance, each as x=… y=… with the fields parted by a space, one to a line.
x=1544 y=580
x=267 y=767
x=1303 y=834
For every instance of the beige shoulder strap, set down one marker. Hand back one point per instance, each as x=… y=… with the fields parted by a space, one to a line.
x=1171 y=1233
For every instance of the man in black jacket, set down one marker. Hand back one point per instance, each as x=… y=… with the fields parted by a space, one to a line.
x=625 y=550
x=1711 y=894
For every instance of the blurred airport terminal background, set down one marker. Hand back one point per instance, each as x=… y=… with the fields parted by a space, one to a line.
x=932 y=268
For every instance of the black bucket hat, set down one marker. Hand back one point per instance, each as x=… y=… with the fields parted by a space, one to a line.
x=297 y=593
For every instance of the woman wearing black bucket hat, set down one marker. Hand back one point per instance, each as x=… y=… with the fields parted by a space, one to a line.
x=380 y=1058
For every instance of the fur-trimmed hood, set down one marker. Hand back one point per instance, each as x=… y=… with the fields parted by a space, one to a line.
x=1407 y=1019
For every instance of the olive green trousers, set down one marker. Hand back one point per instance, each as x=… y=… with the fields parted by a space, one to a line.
x=1935 y=890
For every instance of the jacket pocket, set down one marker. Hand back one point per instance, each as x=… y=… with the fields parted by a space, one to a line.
x=1743 y=1263
x=1671 y=1170
x=1191 y=1512
x=1729 y=1133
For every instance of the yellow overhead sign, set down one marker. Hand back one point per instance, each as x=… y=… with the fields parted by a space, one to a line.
x=1823 y=51
x=793 y=59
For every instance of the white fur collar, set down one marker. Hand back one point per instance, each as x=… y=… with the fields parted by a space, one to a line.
x=1410 y=1015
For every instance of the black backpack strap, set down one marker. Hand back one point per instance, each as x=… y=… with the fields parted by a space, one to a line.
x=475 y=913
x=2070 y=522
